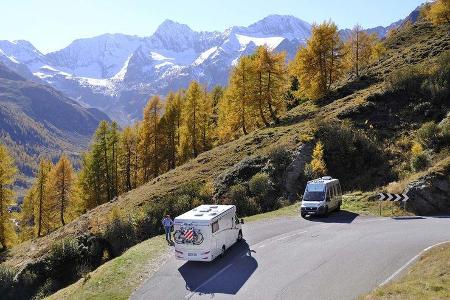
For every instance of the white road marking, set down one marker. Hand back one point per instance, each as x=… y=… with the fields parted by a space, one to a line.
x=378 y=219
x=192 y=293
x=410 y=262
x=292 y=235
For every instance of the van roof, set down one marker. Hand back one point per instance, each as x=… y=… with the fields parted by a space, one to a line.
x=324 y=180
x=206 y=212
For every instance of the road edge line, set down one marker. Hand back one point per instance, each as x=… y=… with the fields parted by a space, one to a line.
x=402 y=268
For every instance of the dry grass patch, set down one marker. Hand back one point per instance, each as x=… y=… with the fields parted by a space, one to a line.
x=429 y=278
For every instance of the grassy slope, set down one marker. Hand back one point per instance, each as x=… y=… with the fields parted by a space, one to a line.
x=118 y=278
x=429 y=278
x=210 y=164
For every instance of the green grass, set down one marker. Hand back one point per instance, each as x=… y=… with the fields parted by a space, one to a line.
x=290 y=210
x=429 y=278
x=118 y=278
x=365 y=203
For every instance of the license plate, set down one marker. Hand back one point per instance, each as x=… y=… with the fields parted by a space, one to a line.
x=192 y=254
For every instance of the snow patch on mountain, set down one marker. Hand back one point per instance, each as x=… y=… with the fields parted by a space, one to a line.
x=204 y=56
x=121 y=74
x=271 y=42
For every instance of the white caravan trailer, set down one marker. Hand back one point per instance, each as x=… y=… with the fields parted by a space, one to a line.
x=205 y=232
x=321 y=196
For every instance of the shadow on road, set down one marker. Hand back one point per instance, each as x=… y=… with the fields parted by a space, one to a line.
x=223 y=275
x=408 y=218
x=342 y=216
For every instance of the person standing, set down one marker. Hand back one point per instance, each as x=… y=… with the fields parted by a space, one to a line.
x=168 y=223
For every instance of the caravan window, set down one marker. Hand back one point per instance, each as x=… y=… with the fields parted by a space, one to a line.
x=215 y=226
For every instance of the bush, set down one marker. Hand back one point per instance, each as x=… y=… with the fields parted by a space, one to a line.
x=429 y=135
x=6 y=282
x=63 y=260
x=238 y=195
x=445 y=132
x=59 y=268
x=282 y=202
x=121 y=235
x=260 y=184
x=261 y=188
x=430 y=81
x=353 y=157
x=407 y=79
x=279 y=160
x=419 y=162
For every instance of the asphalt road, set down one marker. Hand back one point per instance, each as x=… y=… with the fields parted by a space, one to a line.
x=339 y=257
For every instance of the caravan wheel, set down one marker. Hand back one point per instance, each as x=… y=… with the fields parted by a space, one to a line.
x=222 y=254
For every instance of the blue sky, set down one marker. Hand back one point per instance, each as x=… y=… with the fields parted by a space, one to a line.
x=53 y=24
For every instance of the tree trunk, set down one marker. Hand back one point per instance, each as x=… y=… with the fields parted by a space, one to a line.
x=2 y=230
x=63 y=196
x=155 y=143
x=108 y=180
x=128 y=169
x=194 y=134
x=357 y=54
x=269 y=101
x=116 y=175
x=244 y=130
x=41 y=196
x=261 y=112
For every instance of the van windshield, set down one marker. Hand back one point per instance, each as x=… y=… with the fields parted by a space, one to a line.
x=314 y=196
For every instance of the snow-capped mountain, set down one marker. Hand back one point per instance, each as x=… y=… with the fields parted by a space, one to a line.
x=118 y=73
x=98 y=57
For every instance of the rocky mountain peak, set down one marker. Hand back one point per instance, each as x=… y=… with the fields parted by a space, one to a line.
x=287 y=26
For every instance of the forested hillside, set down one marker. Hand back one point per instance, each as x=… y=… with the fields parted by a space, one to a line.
x=347 y=109
x=36 y=120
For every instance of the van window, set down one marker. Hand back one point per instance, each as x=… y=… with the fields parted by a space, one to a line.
x=339 y=189
x=215 y=226
x=315 y=187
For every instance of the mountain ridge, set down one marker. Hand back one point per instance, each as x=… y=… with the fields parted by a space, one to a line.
x=37 y=119
x=117 y=73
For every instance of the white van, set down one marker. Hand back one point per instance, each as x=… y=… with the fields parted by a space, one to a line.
x=205 y=232
x=321 y=196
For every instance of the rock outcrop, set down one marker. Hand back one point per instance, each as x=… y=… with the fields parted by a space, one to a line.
x=243 y=171
x=296 y=170
x=429 y=194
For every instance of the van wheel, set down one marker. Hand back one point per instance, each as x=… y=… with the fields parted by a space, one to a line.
x=325 y=214
x=222 y=253
x=338 y=208
x=240 y=238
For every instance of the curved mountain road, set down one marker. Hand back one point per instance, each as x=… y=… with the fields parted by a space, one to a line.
x=339 y=257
